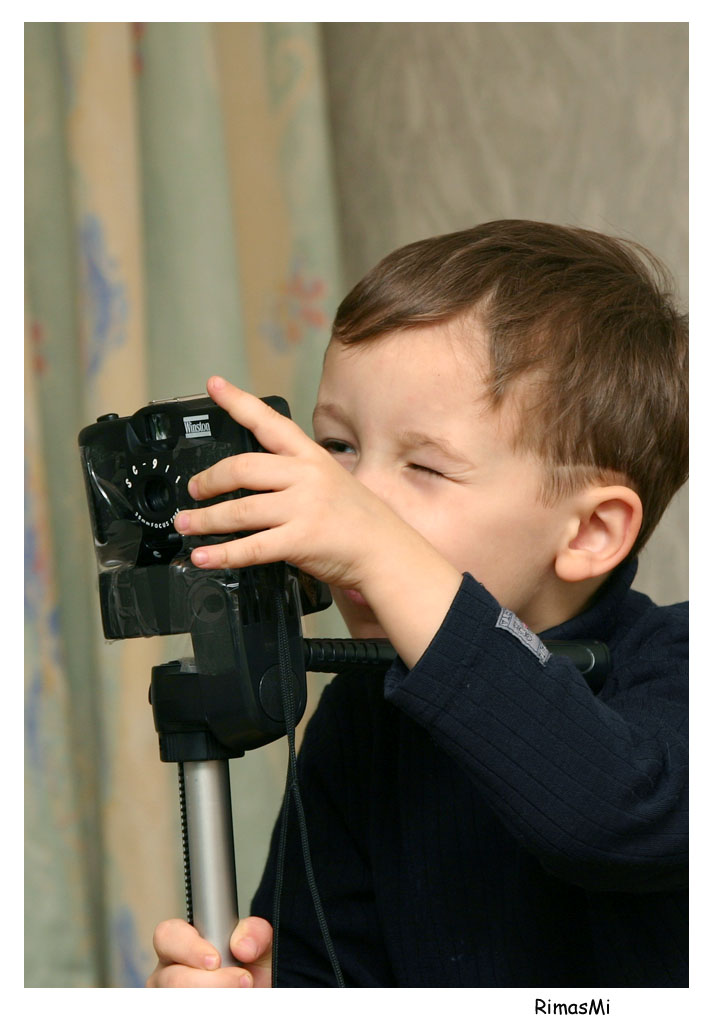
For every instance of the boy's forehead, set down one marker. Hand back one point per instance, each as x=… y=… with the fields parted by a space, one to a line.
x=409 y=372
x=461 y=341
x=432 y=365
x=428 y=375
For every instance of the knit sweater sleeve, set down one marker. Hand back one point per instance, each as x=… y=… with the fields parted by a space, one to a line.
x=595 y=787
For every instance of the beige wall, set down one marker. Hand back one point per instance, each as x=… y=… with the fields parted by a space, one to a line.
x=439 y=126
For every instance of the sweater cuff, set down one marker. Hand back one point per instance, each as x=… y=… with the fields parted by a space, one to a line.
x=445 y=665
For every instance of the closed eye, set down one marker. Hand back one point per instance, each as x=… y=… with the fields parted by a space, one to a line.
x=424 y=469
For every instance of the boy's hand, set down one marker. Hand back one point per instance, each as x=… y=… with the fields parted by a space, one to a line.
x=310 y=511
x=186 y=960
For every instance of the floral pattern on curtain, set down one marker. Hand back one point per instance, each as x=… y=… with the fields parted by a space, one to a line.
x=179 y=222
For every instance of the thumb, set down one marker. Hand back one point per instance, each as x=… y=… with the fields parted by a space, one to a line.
x=252 y=940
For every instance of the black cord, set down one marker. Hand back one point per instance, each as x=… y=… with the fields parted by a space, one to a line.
x=293 y=788
x=280 y=861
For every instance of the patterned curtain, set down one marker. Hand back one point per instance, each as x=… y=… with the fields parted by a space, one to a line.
x=179 y=222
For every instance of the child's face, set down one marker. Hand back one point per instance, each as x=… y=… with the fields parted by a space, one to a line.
x=407 y=415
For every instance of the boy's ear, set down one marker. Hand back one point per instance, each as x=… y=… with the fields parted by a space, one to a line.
x=604 y=526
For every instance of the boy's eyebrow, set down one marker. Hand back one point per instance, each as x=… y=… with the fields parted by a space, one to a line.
x=416 y=439
x=330 y=409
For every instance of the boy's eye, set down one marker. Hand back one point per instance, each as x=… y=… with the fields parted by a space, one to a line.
x=336 y=447
x=424 y=469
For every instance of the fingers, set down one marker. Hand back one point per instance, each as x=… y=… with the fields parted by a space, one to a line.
x=276 y=433
x=265 y=513
x=252 y=944
x=259 y=549
x=253 y=512
x=252 y=940
x=178 y=976
x=186 y=960
x=251 y=471
x=177 y=941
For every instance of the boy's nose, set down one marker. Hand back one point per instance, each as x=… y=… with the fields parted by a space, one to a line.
x=378 y=482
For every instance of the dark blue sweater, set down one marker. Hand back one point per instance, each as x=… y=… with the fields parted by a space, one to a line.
x=486 y=820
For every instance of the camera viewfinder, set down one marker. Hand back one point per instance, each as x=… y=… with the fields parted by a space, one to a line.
x=159 y=423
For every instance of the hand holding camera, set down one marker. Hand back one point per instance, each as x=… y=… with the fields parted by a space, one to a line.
x=311 y=512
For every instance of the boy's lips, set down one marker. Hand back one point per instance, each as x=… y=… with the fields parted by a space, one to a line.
x=355 y=597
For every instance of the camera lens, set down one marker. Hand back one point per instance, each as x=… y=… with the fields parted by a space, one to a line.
x=157 y=495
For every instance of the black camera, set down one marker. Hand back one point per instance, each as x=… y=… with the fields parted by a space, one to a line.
x=136 y=471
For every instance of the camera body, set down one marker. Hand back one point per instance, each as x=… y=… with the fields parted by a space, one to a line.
x=136 y=471
x=137 y=468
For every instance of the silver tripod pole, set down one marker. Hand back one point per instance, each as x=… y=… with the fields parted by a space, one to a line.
x=210 y=865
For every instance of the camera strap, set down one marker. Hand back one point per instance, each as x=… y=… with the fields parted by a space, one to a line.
x=293 y=790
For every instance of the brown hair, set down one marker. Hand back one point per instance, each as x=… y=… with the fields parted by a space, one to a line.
x=588 y=321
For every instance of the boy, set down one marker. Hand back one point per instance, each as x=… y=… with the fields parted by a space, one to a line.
x=501 y=422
